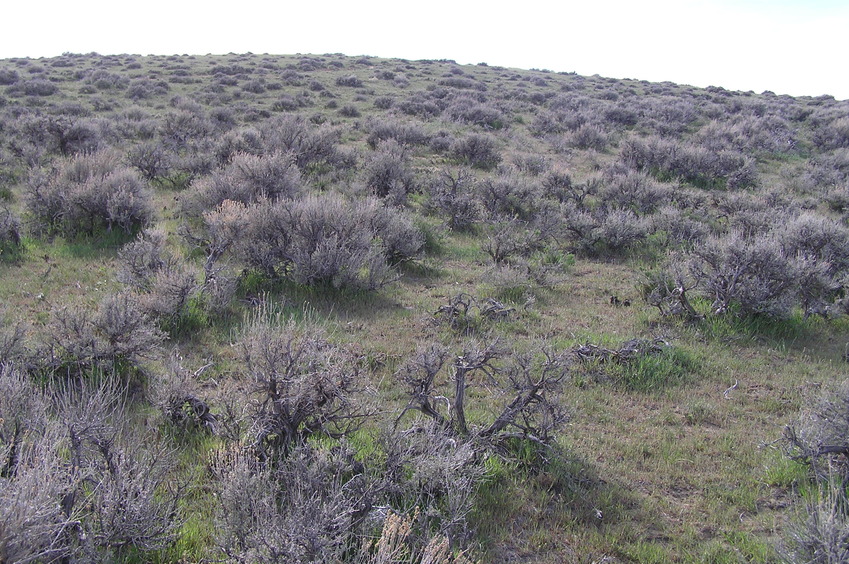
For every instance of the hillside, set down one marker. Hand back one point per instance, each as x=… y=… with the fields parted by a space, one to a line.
x=317 y=308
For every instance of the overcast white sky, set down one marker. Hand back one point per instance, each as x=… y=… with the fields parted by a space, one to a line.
x=795 y=47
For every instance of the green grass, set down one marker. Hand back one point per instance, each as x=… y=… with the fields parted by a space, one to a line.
x=782 y=472
x=672 y=366
x=755 y=328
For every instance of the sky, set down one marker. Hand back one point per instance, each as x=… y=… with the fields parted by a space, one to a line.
x=794 y=47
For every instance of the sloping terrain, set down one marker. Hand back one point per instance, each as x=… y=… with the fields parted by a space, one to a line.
x=321 y=308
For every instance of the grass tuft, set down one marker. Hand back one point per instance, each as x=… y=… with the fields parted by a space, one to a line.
x=673 y=366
